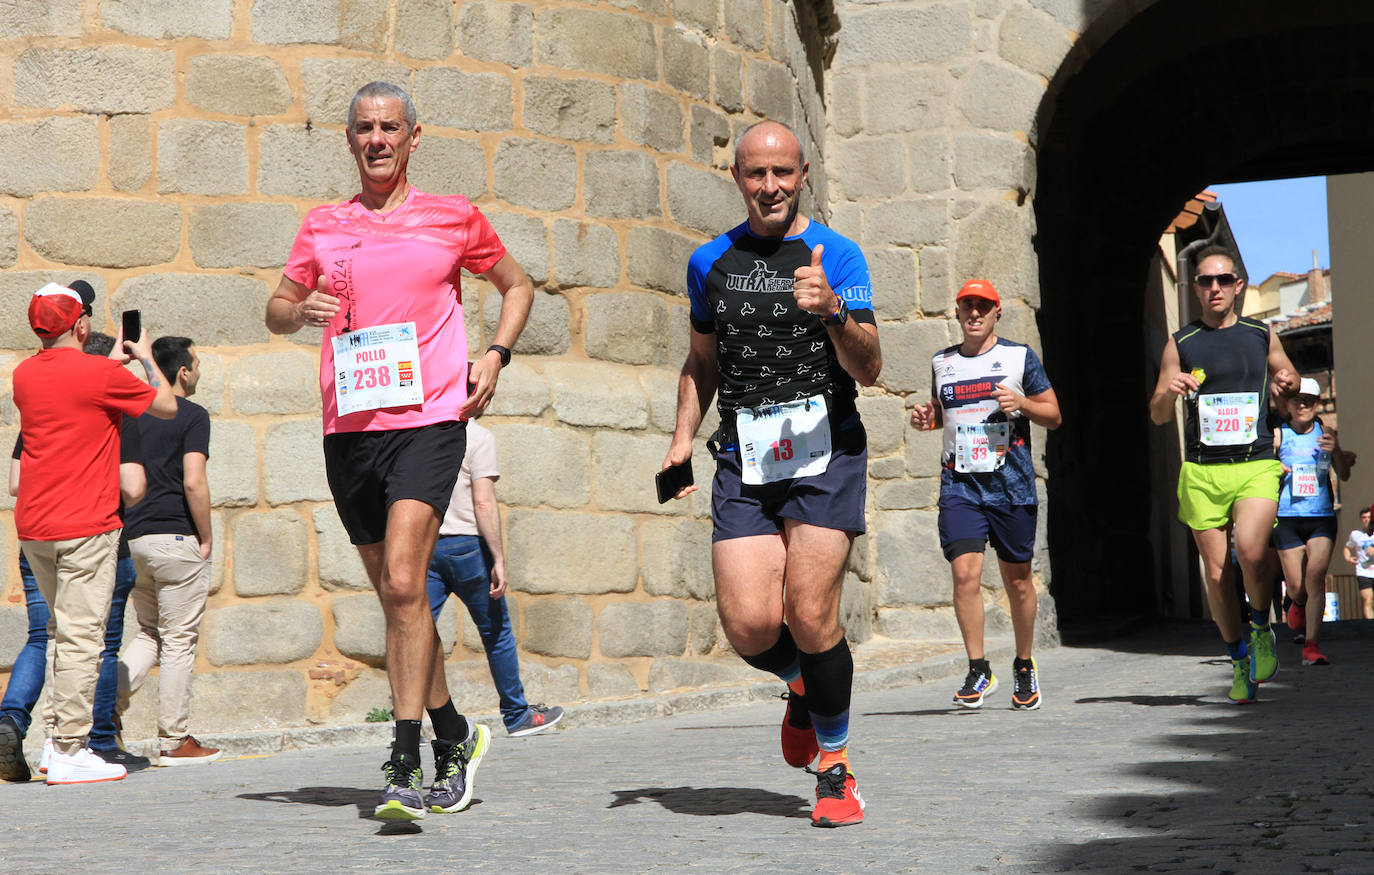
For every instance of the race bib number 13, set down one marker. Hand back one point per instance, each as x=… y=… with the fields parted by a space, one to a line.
x=377 y=367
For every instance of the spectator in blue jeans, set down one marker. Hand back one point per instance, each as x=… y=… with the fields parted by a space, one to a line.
x=469 y=562
x=30 y=667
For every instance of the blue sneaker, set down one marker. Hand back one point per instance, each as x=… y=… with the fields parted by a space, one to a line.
x=537 y=718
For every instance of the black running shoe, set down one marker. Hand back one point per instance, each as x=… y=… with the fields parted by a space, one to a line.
x=977 y=686
x=1025 y=694
x=131 y=762
x=13 y=766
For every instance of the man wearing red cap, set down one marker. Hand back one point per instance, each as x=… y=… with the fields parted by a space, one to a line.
x=67 y=511
x=985 y=392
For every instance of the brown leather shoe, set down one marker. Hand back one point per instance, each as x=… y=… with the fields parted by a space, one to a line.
x=187 y=753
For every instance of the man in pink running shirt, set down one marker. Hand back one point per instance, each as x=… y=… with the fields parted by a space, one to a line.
x=381 y=275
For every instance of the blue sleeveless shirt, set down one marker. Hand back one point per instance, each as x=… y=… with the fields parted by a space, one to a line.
x=1306 y=490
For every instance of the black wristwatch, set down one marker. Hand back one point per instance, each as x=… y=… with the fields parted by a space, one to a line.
x=502 y=351
x=841 y=314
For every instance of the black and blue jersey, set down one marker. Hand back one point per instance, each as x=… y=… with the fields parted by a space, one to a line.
x=768 y=349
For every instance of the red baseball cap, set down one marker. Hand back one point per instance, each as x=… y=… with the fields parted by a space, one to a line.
x=979 y=289
x=54 y=309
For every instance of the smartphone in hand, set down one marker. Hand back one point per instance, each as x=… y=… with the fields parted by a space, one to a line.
x=132 y=322
x=671 y=479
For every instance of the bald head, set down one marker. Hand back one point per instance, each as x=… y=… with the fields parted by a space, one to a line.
x=766 y=134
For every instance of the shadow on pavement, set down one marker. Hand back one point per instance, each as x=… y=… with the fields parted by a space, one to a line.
x=1148 y=700
x=715 y=801
x=1285 y=784
x=331 y=797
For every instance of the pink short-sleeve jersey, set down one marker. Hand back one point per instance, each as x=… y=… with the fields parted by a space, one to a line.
x=404 y=266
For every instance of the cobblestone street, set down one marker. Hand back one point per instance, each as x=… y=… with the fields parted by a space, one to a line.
x=1135 y=763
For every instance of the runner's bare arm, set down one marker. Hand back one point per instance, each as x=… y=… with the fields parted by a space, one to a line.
x=1340 y=463
x=695 y=389
x=294 y=306
x=517 y=296
x=1041 y=409
x=1172 y=383
x=487 y=514
x=1285 y=376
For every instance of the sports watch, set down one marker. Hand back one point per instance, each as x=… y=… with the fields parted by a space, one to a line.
x=502 y=351
x=841 y=314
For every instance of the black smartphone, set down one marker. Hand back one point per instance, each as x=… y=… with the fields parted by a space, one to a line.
x=132 y=322
x=672 y=479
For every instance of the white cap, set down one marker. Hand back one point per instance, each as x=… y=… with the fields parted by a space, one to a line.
x=1309 y=386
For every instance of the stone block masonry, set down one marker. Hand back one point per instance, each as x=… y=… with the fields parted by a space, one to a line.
x=171 y=150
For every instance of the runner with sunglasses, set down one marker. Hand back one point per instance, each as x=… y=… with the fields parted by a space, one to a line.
x=1221 y=366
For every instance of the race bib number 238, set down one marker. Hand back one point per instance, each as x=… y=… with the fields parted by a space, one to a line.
x=377 y=367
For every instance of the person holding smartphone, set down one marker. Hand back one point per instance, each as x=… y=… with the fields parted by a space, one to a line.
x=67 y=508
x=782 y=328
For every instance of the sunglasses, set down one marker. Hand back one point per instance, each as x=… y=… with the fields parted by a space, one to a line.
x=1205 y=280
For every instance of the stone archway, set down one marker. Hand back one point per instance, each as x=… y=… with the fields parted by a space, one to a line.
x=1137 y=121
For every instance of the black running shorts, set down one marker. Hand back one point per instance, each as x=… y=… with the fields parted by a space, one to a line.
x=370 y=470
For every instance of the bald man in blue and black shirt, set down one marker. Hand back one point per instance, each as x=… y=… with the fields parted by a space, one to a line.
x=782 y=328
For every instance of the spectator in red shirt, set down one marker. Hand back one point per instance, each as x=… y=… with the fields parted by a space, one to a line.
x=67 y=512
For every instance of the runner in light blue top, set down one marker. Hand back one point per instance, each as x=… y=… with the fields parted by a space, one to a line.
x=1305 y=533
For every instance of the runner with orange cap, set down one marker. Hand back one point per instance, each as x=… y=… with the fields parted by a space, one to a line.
x=985 y=393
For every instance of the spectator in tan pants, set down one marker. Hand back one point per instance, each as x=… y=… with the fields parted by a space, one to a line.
x=67 y=512
x=169 y=537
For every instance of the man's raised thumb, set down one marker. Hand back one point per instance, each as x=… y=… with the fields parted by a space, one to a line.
x=816 y=255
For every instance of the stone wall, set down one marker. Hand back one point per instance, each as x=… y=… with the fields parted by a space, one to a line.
x=931 y=150
x=167 y=152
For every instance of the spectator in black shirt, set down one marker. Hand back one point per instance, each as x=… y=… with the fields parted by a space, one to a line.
x=169 y=536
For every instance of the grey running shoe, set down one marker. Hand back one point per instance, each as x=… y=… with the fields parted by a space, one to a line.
x=401 y=800
x=13 y=766
x=455 y=769
x=537 y=718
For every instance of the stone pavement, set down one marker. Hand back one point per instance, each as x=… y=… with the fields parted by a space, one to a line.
x=1134 y=764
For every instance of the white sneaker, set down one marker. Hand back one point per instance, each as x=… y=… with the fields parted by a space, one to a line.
x=82 y=767
x=45 y=756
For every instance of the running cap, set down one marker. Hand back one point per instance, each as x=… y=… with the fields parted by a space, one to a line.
x=1308 y=386
x=979 y=289
x=54 y=309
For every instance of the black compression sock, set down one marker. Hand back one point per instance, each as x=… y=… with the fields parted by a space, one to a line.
x=980 y=665
x=406 y=742
x=829 y=678
x=1019 y=663
x=780 y=659
x=449 y=725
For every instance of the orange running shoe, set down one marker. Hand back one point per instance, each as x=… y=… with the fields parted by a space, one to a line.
x=838 y=802
x=1297 y=617
x=799 y=746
